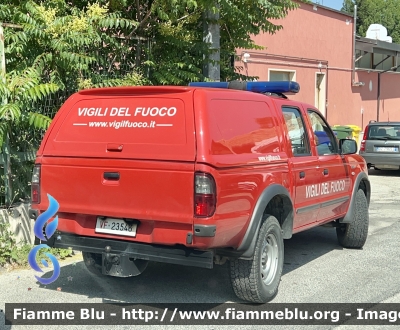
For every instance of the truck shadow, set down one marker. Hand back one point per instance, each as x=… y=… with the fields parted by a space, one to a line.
x=166 y=283
x=309 y=245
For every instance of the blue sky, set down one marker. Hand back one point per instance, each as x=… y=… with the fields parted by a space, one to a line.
x=335 y=4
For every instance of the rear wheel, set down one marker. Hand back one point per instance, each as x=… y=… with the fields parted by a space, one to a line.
x=257 y=280
x=354 y=234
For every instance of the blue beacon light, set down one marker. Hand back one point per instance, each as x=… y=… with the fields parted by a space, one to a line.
x=278 y=87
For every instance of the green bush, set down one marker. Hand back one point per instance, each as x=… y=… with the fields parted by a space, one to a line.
x=17 y=254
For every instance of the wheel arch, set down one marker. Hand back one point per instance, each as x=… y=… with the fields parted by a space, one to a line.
x=361 y=182
x=274 y=200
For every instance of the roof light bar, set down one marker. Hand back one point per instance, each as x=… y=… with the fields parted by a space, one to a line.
x=278 y=87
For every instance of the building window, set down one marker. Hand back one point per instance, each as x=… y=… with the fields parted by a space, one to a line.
x=281 y=75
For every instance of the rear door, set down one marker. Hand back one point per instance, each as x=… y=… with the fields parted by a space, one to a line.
x=117 y=124
x=304 y=168
x=333 y=172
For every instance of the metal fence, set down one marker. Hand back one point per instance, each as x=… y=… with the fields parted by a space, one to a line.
x=22 y=147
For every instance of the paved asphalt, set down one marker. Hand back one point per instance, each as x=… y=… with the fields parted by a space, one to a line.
x=317 y=270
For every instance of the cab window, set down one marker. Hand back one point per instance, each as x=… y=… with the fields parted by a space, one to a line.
x=297 y=134
x=326 y=142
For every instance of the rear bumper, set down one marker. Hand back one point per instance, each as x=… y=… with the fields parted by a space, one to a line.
x=381 y=159
x=195 y=236
x=167 y=254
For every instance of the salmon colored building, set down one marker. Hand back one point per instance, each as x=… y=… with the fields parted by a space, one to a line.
x=338 y=72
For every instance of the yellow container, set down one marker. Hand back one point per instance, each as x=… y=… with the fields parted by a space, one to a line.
x=347 y=131
x=355 y=131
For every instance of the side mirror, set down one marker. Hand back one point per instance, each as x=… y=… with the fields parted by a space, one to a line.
x=347 y=146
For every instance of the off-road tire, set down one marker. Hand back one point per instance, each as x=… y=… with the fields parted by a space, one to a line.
x=246 y=275
x=353 y=235
x=93 y=262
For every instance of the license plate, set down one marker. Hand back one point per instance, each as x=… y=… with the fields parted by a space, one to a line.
x=387 y=149
x=115 y=227
x=388 y=167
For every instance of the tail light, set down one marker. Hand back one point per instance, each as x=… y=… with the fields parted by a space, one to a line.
x=365 y=137
x=35 y=187
x=204 y=195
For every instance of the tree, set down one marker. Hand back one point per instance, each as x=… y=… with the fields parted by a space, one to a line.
x=59 y=48
x=179 y=53
x=65 y=42
x=348 y=6
x=165 y=37
x=18 y=90
x=385 y=12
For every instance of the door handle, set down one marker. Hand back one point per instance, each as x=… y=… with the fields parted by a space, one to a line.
x=326 y=172
x=302 y=175
x=114 y=147
x=114 y=176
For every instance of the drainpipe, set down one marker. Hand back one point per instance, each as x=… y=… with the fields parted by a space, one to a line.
x=326 y=93
x=353 y=73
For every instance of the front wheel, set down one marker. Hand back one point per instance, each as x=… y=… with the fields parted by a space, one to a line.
x=354 y=234
x=257 y=280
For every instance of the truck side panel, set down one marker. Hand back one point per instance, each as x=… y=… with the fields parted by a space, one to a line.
x=241 y=147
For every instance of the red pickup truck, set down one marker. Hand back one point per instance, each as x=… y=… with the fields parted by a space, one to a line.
x=197 y=176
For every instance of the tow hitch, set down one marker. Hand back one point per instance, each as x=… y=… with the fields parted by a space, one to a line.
x=121 y=265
